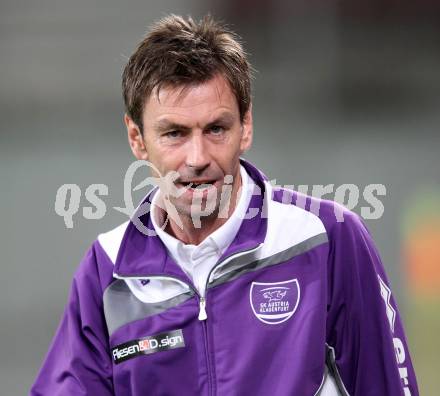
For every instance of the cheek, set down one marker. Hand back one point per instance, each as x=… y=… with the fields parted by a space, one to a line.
x=159 y=167
x=168 y=163
x=227 y=160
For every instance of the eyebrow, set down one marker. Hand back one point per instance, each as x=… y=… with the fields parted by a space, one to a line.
x=167 y=125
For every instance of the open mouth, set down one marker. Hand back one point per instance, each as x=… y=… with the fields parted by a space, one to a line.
x=198 y=185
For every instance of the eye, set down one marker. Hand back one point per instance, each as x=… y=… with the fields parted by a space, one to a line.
x=216 y=129
x=173 y=134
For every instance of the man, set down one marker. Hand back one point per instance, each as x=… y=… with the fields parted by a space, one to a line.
x=242 y=289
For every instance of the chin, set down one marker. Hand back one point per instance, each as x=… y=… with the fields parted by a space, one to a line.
x=188 y=209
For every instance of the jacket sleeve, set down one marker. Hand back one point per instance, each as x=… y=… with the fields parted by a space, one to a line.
x=364 y=330
x=78 y=362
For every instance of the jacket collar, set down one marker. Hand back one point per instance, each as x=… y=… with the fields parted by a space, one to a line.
x=143 y=255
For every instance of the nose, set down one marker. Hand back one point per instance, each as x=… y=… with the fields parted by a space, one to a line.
x=197 y=155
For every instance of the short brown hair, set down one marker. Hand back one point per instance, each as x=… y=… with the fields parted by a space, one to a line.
x=179 y=51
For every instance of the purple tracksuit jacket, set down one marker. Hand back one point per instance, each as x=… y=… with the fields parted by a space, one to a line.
x=298 y=305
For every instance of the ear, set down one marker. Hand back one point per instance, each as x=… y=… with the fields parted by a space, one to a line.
x=247 y=131
x=135 y=139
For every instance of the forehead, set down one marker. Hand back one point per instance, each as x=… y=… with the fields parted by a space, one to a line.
x=190 y=101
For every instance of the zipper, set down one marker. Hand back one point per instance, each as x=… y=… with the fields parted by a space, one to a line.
x=203 y=316
x=202 y=309
x=210 y=369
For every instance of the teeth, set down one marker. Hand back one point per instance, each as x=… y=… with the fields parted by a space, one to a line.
x=195 y=185
x=201 y=185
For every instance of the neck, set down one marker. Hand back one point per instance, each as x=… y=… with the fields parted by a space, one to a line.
x=189 y=234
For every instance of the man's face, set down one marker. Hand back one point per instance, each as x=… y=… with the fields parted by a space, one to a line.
x=196 y=132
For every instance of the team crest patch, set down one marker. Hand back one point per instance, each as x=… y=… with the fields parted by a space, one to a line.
x=274 y=302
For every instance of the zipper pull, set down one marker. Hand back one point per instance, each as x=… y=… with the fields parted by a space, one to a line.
x=202 y=311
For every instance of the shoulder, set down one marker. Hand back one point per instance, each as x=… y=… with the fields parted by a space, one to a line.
x=333 y=218
x=96 y=267
x=110 y=241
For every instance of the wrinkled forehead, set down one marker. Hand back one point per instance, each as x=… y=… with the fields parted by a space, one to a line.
x=215 y=91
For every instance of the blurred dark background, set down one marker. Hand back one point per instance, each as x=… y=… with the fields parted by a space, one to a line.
x=344 y=92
